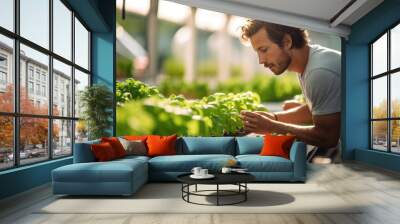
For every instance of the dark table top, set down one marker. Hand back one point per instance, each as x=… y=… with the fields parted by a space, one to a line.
x=220 y=178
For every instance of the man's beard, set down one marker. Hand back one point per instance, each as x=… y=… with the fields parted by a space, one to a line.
x=282 y=66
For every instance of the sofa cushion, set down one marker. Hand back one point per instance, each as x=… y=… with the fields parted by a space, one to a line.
x=249 y=145
x=207 y=145
x=134 y=147
x=112 y=171
x=277 y=145
x=103 y=151
x=161 y=145
x=257 y=163
x=132 y=158
x=185 y=163
x=116 y=145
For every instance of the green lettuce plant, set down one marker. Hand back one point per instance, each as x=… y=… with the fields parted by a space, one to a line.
x=214 y=115
x=132 y=89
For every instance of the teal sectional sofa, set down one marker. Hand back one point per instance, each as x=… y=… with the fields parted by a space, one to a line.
x=125 y=176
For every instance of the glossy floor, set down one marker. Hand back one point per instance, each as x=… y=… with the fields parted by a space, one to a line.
x=377 y=188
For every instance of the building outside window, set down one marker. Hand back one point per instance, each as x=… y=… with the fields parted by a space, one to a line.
x=55 y=99
x=3 y=78
x=38 y=89
x=30 y=87
x=59 y=128
x=43 y=90
x=37 y=75
x=3 y=71
x=30 y=72
x=3 y=61
x=43 y=78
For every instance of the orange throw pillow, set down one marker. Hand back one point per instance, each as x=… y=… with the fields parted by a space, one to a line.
x=275 y=145
x=116 y=145
x=103 y=152
x=161 y=145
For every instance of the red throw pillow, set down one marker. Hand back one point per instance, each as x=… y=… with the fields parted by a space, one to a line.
x=103 y=151
x=277 y=145
x=116 y=145
x=161 y=145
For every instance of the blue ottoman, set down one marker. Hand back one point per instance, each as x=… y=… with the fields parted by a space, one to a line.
x=119 y=177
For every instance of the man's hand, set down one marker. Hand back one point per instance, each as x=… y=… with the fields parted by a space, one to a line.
x=257 y=122
x=264 y=113
x=323 y=133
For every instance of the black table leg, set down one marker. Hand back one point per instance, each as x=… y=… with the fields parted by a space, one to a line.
x=217 y=194
x=182 y=190
x=188 y=189
x=245 y=193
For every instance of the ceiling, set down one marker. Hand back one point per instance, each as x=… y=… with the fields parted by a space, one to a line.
x=326 y=16
x=321 y=9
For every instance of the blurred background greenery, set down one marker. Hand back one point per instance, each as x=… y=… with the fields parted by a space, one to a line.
x=184 y=70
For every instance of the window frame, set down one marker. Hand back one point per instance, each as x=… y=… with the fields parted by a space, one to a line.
x=388 y=74
x=16 y=114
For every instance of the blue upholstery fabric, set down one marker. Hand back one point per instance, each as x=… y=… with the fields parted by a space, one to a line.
x=99 y=188
x=94 y=172
x=249 y=145
x=207 y=145
x=119 y=177
x=298 y=157
x=184 y=163
x=83 y=152
x=257 y=163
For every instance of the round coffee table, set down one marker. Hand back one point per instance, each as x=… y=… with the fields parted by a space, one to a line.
x=238 y=179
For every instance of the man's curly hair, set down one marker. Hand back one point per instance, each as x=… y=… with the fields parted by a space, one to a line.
x=275 y=32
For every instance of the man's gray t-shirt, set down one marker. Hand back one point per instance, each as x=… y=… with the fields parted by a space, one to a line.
x=320 y=81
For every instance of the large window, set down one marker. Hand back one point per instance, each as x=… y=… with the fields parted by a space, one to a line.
x=44 y=64
x=385 y=92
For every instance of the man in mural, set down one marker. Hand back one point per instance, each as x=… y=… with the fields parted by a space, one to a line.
x=282 y=48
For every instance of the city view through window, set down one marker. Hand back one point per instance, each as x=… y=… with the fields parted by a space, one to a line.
x=38 y=118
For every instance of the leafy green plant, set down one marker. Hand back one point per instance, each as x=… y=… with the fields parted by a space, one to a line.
x=132 y=89
x=214 y=115
x=96 y=101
